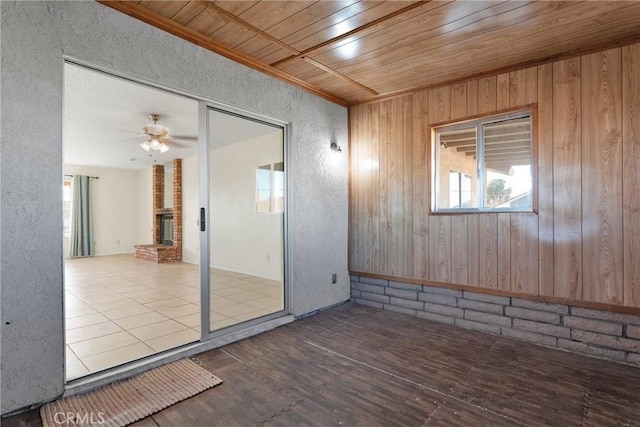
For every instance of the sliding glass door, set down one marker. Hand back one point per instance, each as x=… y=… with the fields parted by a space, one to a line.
x=243 y=218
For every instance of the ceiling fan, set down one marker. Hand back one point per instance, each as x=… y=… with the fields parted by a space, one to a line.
x=157 y=136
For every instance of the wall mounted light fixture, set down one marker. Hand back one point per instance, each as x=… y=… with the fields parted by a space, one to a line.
x=336 y=148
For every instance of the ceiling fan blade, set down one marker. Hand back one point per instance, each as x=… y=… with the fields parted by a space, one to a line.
x=179 y=144
x=185 y=137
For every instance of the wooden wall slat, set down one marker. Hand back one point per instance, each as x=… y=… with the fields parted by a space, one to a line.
x=545 y=179
x=355 y=117
x=487 y=94
x=567 y=178
x=524 y=253
x=602 y=182
x=458 y=101
x=373 y=204
x=583 y=241
x=472 y=97
x=440 y=226
x=631 y=172
x=459 y=249
x=488 y=257
x=383 y=167
x=504 y=251
x=421 y=155
x=407 y=141
x=503 y=98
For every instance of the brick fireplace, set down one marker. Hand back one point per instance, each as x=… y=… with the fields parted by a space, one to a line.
x=159 y=252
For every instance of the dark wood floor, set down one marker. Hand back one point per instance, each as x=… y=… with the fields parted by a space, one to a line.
x=357 y=366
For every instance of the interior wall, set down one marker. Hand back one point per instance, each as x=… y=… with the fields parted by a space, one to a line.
x=145 y=207
x=115 y=208
x=35 y=36
x=190 y=210
x=244 y=240
x=583 y=242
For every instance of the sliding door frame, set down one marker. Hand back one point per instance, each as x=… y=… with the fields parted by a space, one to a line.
x=204 y=165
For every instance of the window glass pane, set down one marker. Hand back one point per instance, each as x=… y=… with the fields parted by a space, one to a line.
x=507 y=160
x=263 y=188
x=457 y=155
x=465 y=191
x=278 y=187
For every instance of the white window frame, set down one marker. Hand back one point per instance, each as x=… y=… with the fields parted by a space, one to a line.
x=479 y=122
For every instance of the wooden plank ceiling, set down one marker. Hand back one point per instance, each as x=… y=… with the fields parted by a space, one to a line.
x=351 y=51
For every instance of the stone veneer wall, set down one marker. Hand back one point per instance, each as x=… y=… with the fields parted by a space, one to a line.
x=602 y=334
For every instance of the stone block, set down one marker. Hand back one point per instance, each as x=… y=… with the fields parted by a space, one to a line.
x=540 y=306
x=493 y=299
x=586 y=324
x=400 y=302
x=437 y=299
x=542 y=328
x=402 y=293
x=602 y=353
x=629 y=319
x=525 y=313
x=374 y=297
x=444 y=310
x=602 y=340
x=481 y=306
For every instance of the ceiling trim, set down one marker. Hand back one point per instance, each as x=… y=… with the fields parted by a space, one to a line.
x=283 y=45
x=339 y=75
x=145 y=15
x=248 y=26
x=351 y=33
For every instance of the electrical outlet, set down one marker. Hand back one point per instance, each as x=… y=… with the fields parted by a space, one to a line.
x=334 y=278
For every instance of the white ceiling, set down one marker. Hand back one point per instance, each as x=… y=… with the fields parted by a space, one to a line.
x=104 y=116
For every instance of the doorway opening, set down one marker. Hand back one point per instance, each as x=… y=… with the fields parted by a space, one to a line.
x=142 y=276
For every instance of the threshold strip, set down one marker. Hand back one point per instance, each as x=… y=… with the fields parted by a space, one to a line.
x=422 y=386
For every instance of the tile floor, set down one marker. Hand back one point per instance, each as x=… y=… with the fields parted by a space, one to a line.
x=118 y=309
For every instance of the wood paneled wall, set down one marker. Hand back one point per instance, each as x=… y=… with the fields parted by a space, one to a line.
x=583 y=243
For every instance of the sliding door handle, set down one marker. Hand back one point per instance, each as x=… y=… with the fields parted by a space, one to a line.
x=203 y=218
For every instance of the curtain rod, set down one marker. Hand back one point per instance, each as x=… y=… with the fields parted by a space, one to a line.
x=94 y=177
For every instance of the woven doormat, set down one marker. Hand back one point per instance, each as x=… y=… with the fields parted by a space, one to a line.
x=127 y=401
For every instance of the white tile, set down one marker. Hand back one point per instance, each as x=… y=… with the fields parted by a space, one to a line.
x=181 y=310
x=117 y=357
x=173 y=340
x=100 y=345
x=140 y=320
x=174 y=302
x=235 y=310
x=80 y=321
x=155 y=330
x=75 y=369
x=91 y=331
x=126 y=312
x=190 y=320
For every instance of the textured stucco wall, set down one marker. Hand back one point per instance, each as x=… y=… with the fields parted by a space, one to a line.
x=35 y=36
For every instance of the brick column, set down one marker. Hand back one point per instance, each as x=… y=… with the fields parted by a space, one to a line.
x=177 y=208
x=158 y=198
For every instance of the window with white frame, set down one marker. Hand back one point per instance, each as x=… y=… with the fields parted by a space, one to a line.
x=484 y=164
x=270 y=188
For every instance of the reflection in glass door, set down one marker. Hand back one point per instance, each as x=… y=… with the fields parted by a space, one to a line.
x=246 y=208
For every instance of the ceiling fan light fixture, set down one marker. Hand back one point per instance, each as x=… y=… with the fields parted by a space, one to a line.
x=145 y=146
x=155 y=143
x=163 y=148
